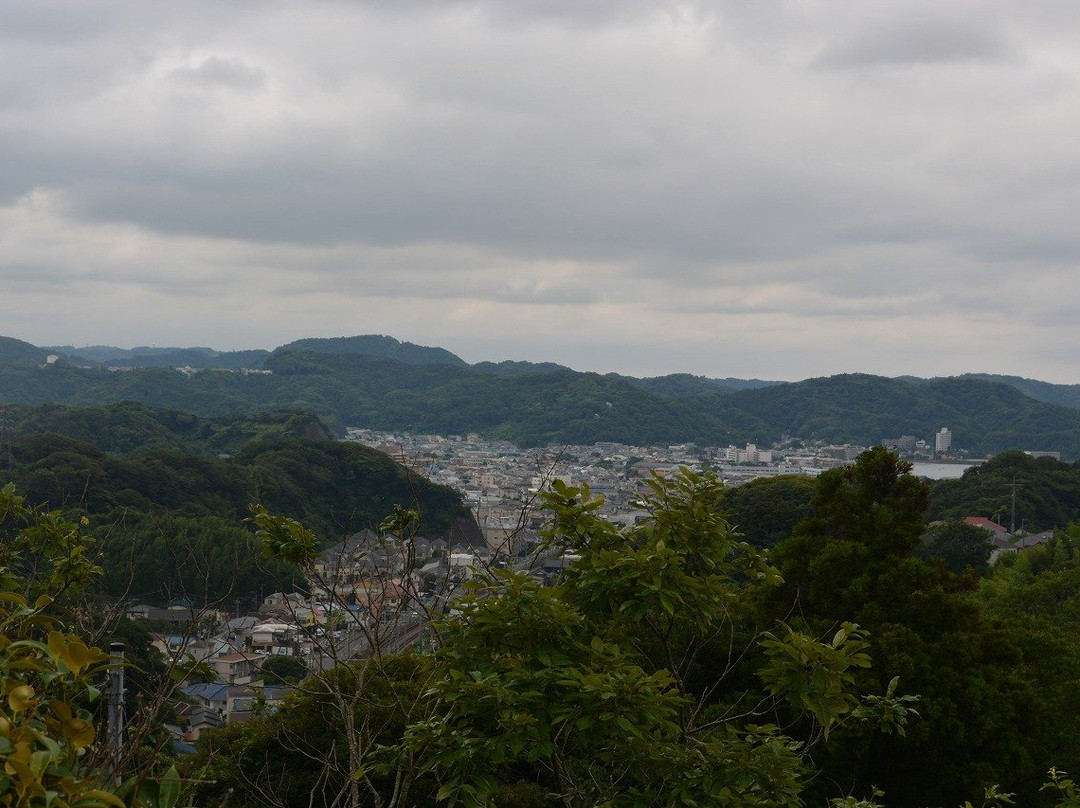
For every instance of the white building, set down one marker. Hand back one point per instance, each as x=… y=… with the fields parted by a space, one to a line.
x=943 y=440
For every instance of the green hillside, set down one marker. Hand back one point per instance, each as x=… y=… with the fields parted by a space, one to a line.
x=984 y=417
x=17 y=352
x=144 y=357
x=1066 y=395
x=170 y=522
x=1047 y=492
x=430 y=390
x=377 y=345
x=131 y=427
x=682 y=385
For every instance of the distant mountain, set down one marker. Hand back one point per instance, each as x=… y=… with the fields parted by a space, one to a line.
x=528 y=408
x=144 y=357
x=96 y=354
x=512 y=368
x=131 y=427
x=352 y=382
x=17 y=352
x=682 y=385
x=984 y=417
x=676 y=385
x=377 y=345
x=1065 y=395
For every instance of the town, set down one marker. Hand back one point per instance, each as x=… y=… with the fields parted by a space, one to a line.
x=374 y=592
x=499 y=481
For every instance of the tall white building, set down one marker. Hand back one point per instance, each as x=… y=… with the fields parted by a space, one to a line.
x=943 y=440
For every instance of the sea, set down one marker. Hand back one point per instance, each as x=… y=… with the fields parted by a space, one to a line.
x=941 y=471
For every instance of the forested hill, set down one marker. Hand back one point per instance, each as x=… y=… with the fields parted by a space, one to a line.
x=377 y=345
x=171 y=523
x=767 y=510
x=1067 y=395
x=682 y=385
x=1047 y=492
x=985 y=417
x=431 y=390
x=145 y=357
x=17 y=352
x=132 y=427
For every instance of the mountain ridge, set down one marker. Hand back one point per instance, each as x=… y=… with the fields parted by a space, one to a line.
x=382 y=383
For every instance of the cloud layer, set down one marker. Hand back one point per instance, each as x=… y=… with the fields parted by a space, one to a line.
x=775 y=189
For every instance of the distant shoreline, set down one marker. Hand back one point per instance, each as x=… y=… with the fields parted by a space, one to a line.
x=943 y=469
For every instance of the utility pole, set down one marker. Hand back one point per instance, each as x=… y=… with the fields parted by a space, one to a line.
x=1012 y=519
x=115 y=728
x=6 y=460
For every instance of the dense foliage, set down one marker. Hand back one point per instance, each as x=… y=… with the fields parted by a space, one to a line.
x=589 y=693
x=853 y=559
x=52 y=753
x=131 y=427
x=170 y=524
x=765 y=511
x=656 y=673
x=298 y=755
x=1047 y=492
x=958 y=545
x=1035 y=596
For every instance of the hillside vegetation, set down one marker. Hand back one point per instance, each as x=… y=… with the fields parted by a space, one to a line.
x=170 y=522
x=1047 y=492
x=381 y=383
x=130 y=426
x=642 y=678
x=766 y=510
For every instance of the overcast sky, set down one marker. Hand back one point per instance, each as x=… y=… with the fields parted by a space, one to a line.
x=770 y=189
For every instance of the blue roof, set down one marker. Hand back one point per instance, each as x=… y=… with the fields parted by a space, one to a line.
x=211 y=692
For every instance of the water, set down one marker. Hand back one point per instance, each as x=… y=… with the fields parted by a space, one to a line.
x=941 y=471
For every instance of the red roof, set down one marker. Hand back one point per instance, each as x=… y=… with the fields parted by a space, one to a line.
x=986 y=524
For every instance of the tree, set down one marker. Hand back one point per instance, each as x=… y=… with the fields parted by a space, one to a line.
x=766 y=510
x=852 y=559
x=959 y=545
x=1035 y=595
x=51 y=754
x=283 y=670
x=586 y=693
x=581 y=693
x=45 y=724
x=301 y=755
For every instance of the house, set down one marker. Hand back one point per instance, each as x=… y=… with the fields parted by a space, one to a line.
x=1033 y=539
x=243 y=700
x=986 y=524
x=1014 y=544
x=348 y=560
x=232 y=668
x=217 y=704
x=197 y=719
x=274 y=637
x=213 y=696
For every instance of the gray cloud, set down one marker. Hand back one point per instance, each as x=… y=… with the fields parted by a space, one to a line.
x=221 y=71
x=920 y=42
x=812 y=185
